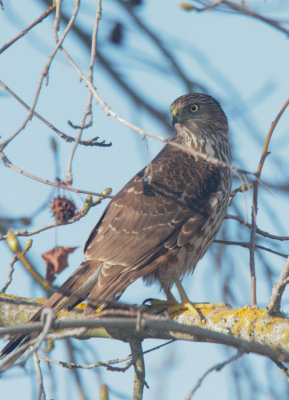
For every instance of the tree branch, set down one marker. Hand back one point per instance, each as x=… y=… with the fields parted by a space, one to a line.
x=248 y=330
x=139 y=368
x=216 y=367
x=278 y=290
x=255 y=203
x=92 y=142
x=26 y=30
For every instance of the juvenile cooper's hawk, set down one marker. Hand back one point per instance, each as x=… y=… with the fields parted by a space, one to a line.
x=163 y=220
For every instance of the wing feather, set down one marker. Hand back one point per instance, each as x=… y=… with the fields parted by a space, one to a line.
x=155 y=213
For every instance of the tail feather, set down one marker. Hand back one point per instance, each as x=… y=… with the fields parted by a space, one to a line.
x=95 y=280
x=74 y=290
x=15 y=341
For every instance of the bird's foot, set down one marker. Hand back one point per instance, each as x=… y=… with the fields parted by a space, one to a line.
x=157 y=306
x=198 y=309
x=186 y=306
x=195 y=308
x=173 y=308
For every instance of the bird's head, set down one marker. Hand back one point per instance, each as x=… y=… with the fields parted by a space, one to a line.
x=199 y=113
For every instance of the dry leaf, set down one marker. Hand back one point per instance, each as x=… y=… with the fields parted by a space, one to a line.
x=56 y=261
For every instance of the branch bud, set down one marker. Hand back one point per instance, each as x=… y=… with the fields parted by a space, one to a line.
x=13 y=242
x=107 y=191
x=28 y=245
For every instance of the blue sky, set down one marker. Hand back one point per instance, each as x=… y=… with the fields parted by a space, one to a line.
x=242 y=62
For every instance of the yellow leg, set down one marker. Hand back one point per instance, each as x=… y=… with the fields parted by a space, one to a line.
x=171 y=298
x=174 y=308
x=182 y=293
x=186 y=304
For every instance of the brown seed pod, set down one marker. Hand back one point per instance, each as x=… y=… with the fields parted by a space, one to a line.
x=62 y=209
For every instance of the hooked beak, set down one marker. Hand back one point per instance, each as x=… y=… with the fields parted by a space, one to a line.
x=175 y=116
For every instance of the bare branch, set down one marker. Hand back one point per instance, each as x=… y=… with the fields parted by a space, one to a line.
x=88 y=111
x=58 y=185
x=278 y=290
x=32 y=345
x=41 y=392
x=139 y=368
x=176 y=66
x=57 y=18
x=248 y=330
x=11 y=270
x=247 y=246
x=92 y=142
x=14 y=246
x=259 y=231
x=44 y=74
x=241 y=8
x=75 y=372
x=107 y=364
x=255 y=201
x=142 y=132
x=216 y=367
x=26 y=30
x=80 y=214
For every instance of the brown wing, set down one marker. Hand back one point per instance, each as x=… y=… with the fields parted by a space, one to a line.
x=149 y=215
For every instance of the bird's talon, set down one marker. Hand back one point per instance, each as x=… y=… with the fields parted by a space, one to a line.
x=157 y=306
x=151 y=301
x=188 y=306
x=214 y=306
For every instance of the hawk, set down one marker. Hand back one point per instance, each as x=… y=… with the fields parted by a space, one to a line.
x=163 y=220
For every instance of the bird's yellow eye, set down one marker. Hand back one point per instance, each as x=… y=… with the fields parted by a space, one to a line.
x=194 y=107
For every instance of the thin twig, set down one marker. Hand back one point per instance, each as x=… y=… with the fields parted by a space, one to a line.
x=174 y=62
x=57 y=18
x=26 y=30
x=109 y=66
x=247 y=246
x=241 y=189
x=11 y=270
x=244 y=9
x=107 y=364
x=80 y=214
x=92 y=142
x=142 y=132
x=75 y=372
x=59 y=185
x=278 y=290
x=41 y=392
x=216 y=367
x=258 y=230
x=240 y=8
x=47 y=318
x=88 y=110
x=46 y=323
x=44 y=75
x=139 y=368
x=255 y=203
x=210 y=6
x=14 y=246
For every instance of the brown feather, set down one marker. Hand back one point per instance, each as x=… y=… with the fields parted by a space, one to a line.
x=163 y=220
